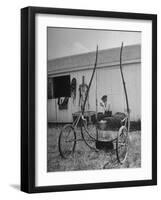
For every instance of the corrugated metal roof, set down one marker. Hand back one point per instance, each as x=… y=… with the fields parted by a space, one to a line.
x=106 y=56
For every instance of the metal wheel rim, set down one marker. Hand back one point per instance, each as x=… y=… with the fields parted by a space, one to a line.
x=121 y=161
x=67 y=142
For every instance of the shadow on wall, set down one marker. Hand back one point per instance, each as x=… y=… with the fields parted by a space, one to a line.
x=135 y=125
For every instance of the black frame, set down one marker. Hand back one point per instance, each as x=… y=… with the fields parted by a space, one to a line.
x=28 y=98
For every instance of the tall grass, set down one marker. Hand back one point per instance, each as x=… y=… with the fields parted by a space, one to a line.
x=85 y=158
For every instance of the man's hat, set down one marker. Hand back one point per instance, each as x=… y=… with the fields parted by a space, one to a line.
x=104 y=97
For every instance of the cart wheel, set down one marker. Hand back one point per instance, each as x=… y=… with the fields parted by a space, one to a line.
x=67 y=141
x=122 y=144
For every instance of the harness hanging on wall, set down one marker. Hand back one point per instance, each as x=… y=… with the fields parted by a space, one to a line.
x=83 y=88
x=63 y=103
x=73 y=89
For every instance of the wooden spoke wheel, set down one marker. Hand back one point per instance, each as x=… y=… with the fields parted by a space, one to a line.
x=122 y=144
x=67 y=141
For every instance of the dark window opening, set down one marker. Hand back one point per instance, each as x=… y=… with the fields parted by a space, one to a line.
x=50 y=88
x=61 y=86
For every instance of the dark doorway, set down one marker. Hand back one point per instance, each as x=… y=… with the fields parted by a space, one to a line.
x=62 y=86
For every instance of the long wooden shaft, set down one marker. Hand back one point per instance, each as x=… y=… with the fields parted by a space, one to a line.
x=94 y=69
x=123 y=81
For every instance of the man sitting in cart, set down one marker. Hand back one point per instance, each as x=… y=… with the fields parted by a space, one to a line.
x=105 y=106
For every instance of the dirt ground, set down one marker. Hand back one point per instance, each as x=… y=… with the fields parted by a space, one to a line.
x=85 y=158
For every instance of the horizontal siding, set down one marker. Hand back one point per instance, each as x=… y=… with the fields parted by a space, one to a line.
x=108 y=82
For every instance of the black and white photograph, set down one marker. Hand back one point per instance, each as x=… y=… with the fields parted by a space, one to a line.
x=93 y=99
x=89 y=99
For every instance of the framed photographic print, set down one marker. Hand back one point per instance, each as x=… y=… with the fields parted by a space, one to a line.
x=88 y=99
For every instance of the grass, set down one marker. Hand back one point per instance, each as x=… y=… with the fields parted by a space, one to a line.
x=85 y=158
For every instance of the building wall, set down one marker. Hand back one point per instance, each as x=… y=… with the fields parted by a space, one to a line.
x=109 y=83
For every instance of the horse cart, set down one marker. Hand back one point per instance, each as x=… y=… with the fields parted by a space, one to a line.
x=68 y=135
